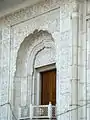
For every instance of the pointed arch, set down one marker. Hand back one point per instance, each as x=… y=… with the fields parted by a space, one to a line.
x=25 y=64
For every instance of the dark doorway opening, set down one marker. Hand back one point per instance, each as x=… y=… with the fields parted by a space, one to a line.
x=48 y=87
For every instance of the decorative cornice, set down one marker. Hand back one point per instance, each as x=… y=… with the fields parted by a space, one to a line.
x=36 y=10
x=30 y=12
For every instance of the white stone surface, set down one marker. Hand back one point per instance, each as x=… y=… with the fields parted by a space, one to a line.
x=53 y=17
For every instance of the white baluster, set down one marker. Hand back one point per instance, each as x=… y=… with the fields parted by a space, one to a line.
x=19 y=112
x=50 y=110
x=31 y=111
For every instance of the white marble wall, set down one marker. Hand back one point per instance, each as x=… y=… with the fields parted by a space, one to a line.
x=53 y=16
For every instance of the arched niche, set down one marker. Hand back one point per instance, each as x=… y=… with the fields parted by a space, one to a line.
x=37 y=50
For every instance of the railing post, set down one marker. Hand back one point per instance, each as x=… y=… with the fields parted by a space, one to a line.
x=31 y=111
x=19 y=113
x=50 y=110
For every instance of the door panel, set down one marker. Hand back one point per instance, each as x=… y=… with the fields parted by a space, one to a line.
x=48 y=87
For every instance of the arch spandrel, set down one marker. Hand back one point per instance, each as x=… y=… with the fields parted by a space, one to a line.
x=27 y=46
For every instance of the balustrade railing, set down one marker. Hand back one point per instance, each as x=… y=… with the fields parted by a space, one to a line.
x=39 y=111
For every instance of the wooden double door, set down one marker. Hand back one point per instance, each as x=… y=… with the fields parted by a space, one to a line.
x=48 y=87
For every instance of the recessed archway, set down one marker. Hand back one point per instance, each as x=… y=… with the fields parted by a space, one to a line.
x=29 y=57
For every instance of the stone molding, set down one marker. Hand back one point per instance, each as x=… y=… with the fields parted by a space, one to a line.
x=26 y=59
x=30 y=12
x=33 y=11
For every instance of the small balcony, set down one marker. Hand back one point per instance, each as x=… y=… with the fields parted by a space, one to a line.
x=37 y=112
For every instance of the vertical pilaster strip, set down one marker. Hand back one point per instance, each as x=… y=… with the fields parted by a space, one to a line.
x=82 y=92
x=88 y=71
x=75 y=32
x=0 y=64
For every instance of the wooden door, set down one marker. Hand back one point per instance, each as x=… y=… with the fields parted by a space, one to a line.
x=48 y=87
